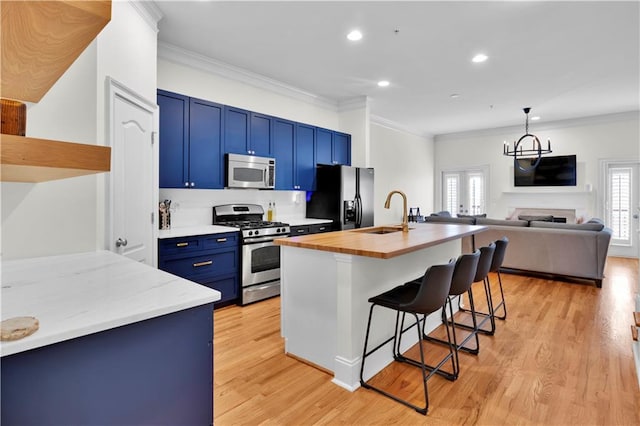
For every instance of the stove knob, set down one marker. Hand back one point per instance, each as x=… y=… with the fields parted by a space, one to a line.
x=277 y=230
x=256 y=232
x=250 y=232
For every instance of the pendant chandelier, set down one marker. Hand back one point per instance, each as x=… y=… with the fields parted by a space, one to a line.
x=519 y=151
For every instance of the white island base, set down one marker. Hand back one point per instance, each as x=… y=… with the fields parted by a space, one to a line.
x=324 y=297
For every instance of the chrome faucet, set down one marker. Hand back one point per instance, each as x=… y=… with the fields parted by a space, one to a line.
x=405 y=218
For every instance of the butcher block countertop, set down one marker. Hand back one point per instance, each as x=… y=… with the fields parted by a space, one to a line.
x=361 y=242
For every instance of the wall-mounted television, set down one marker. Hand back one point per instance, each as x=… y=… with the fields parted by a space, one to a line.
x=552 y=171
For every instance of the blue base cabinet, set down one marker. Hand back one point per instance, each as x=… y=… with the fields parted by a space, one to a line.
x=211 y=260
x=154 y=372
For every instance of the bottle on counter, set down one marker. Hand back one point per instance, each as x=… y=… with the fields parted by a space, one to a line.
x=418 y=215
x=270 y=213
x=273 y=211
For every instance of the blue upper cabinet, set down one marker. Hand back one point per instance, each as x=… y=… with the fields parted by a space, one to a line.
x=190 y=142
x=260 y=135
x=247 y=132
x=206 y=161
x=174 y=139
x=236 y=130
x=342 y=148
x=304 y=164
x=333 y=147
x=283 y=151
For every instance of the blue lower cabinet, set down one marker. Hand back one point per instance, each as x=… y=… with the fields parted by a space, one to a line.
x=153 y=372
x=212 y=260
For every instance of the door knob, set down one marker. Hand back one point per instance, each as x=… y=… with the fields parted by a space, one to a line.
x=121 y=243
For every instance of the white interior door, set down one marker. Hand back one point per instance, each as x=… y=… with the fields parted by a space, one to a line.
x=132 y=172
x=622 y=207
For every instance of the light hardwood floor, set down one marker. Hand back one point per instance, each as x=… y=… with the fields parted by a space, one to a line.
x=562 y=357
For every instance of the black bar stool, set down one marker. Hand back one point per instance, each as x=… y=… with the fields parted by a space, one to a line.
x=482 y=273
x=422 y=299
x=463 y=276
x=496 y=264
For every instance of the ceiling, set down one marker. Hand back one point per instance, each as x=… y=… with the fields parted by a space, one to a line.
x=563 y=59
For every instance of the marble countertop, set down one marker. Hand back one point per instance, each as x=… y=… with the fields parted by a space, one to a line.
x=304 y=221
x=79 y=294
x=187 y=231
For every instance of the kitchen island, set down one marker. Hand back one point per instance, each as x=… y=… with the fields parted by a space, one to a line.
x=118 y=342
x=328 y=278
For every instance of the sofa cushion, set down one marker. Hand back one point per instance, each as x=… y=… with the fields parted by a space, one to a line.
x=501 y=222
x=544 y=218
x=589 y=226
x=440 y=219
x=442 y=213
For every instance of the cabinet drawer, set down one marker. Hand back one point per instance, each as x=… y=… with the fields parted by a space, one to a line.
x=300 y=230
x=322 y=227
x=215 y=241
x=179 y=245
x=209 y=264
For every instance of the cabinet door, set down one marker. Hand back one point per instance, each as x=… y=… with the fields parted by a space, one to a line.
x=341 y=149
x=305 y=165
x=174 y=139
x=323 y=146
x=236 y=130
x=260 y=135
x=283 y=139
x=205 y=145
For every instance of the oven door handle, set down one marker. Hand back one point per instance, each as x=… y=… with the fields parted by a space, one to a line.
x=262 y=240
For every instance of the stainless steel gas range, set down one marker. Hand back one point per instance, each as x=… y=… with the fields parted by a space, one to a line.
x=260 y=274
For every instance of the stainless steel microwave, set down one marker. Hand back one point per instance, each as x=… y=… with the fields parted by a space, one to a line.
x=249 y=171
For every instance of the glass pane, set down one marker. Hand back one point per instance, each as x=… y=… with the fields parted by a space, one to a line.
x=475 y=193
x=247 y=174
x=265 y=259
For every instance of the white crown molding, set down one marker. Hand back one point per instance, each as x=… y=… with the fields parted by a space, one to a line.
x=149 y=11
x=195 y=60
x=359 y=102
x=380 y=121
x=571 y=122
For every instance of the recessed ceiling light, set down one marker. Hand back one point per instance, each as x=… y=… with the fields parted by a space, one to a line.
x=535 y=118
x=454 y=95
x=383 y=83
x=354 y=35
x=480 y=57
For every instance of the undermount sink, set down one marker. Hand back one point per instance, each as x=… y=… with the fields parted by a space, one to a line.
x=380 y=230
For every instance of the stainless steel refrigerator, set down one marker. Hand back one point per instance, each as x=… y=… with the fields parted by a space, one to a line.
x=343 y=194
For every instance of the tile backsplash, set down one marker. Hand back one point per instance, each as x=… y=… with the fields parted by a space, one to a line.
x=191 y=207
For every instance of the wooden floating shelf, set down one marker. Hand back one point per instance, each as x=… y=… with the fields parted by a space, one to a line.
x=41 y=39
x=634 y=333
x=636 y=317
x=25 y=159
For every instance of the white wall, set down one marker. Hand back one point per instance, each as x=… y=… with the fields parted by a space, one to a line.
x=405 y=162
x=591 y=139
x=65 y=216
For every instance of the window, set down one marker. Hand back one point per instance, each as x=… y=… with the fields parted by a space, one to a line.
x=619 y=202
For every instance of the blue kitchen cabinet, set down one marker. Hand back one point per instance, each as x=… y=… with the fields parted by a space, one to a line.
x=304 y=158
x=190 y=146
x=153 y=372
x=174 y=139
x=260 y=135
x=284 y=132
x=247 y=132
x=236 y=130
x=212 y=260
x=206 y=160
x=341 y=148
x=333 y=147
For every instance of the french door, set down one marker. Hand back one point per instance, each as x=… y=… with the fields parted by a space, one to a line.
x=464 y=192
x=622 y=206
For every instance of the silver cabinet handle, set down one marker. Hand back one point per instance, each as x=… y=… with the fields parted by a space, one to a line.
x=121 y=243
x=205 y=263
x=221 y=240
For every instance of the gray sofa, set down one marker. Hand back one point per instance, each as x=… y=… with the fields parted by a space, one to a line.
x=570 y=250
